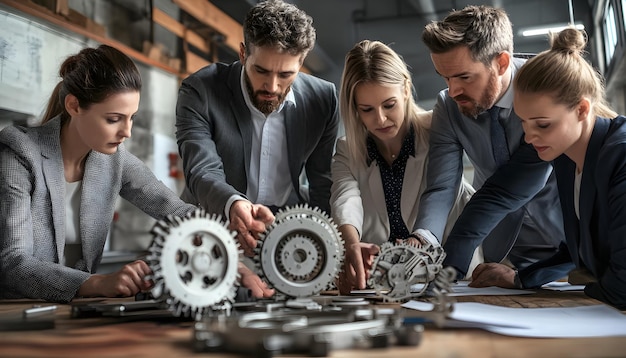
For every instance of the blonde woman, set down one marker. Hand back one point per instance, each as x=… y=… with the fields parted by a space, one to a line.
x=378 y=169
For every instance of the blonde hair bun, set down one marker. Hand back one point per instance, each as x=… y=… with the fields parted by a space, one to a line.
x=569 y=40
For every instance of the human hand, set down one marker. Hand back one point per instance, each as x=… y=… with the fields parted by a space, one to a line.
x=249 y=220
x=420 y=238
x=128 y=281
x=258 y=288
x=359 y=258
x=418 y=242
x=493 y=274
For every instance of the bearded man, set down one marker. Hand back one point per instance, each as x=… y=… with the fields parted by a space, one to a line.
x=257 y=135
x=515 y=214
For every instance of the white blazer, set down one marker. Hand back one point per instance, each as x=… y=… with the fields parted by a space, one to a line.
x=357 y=196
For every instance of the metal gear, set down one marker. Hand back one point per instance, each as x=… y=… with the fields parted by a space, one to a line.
x=304 y=332
x=194 y=261
x=301 y=253
x=400 y=266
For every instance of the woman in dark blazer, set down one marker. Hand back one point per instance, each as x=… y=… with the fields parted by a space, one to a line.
x=59 y=183
x=560 y=99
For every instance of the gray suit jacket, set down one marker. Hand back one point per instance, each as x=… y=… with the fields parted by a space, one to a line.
x=214 y=132
x=32 y=214
x=516 y=203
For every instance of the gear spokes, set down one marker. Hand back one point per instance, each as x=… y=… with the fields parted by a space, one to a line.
x=301 y=253
x=194 y=263
x=403 y=271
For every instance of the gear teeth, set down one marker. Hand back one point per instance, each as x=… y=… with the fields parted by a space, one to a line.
x=194 y=245
x=311 y=225
x=420 y=264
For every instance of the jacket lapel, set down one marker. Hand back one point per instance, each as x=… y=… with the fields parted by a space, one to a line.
x=566 y=171
x=295 y=136
x=91 y=196
x=413 y=184
x=241 y=113
x=100 y=188
x=378 y=195
x=54 y=176
x=588 y=192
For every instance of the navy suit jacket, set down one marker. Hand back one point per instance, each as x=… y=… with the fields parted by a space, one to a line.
x=597 y=241
x=214 y=133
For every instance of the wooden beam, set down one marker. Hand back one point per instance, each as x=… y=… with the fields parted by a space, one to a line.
x=180 y=30
x=194 y=62
x=215 y=18
x=57 y=20
x=218 y=20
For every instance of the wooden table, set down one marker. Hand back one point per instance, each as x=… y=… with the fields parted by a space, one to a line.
x=113 y=337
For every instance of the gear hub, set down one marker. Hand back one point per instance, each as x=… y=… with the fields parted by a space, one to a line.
x=194 y=262
x=301 y=253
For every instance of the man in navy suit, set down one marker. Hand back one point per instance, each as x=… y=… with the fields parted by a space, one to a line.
x=515 y=213
x=257 y=134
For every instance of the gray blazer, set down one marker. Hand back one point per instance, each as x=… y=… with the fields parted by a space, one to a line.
x=514 y=205
x=32 y=214
x=214 y=132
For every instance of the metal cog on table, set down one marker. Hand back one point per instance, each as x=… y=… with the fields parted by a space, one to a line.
x=398 y=267
x=194 y=261
x=301 y=253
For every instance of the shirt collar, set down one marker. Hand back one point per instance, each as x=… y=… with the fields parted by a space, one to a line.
x=506 y=101
x=290 y=98
x=408 y=147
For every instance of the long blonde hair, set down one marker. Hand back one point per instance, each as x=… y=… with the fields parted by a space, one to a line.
x=373 y=62
x=563 y=73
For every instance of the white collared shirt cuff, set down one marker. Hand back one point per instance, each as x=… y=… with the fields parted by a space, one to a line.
x=428 y=236
x=230 y=203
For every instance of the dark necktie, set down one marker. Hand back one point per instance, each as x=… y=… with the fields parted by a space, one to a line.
x=498 y=138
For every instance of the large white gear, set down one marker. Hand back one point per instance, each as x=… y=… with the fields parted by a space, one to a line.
x=194 y=261
x=398 y=267
x=301 y=253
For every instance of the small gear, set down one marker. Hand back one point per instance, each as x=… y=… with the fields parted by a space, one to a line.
x=194 y=260
x=301 y=253
x=400 y=266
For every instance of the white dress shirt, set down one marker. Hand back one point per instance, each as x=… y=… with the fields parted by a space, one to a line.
x=269 y=181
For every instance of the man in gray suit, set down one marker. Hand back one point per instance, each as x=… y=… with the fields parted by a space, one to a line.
x=251 y=131
x=516 y=210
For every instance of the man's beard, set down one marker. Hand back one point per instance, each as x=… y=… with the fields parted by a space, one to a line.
x=266 y=107
x=487 y=99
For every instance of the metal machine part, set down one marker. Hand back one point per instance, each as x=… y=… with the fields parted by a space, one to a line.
x=404 y=271
x=194 y=260
x=301 y=253
x=314 y=333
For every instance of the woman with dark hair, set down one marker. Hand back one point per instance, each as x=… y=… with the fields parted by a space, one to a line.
x=59 y=183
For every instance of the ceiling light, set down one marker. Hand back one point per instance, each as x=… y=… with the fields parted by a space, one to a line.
x=544 y=30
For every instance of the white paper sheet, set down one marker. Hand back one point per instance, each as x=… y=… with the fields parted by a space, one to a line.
x=562 y=286
x=560 y=322
x=461 y=288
